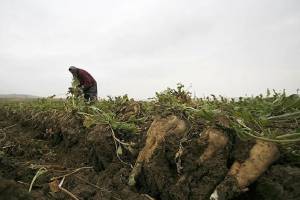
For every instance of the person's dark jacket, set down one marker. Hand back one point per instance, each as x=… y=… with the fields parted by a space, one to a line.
x=85 y=79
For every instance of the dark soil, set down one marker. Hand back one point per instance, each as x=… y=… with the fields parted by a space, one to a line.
x=64 y=147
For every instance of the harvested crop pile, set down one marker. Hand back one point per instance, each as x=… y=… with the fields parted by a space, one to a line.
x=178 y=169
x=171 y=147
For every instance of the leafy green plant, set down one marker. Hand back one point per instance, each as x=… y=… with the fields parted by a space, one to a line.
x=273 y=117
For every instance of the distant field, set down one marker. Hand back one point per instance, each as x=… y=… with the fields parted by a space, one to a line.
x=16 y=97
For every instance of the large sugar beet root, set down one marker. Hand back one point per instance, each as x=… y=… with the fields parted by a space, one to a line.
x=216 y=140
x=241 y=175
x=159 y=129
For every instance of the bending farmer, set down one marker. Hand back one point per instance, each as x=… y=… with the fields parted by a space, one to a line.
x=87 y=83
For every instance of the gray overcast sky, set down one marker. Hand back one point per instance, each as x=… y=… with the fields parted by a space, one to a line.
x=138 y=47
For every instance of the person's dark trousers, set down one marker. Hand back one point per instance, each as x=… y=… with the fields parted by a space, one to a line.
x=90 y=94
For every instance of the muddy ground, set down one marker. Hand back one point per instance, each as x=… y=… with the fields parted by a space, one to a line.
x=26 y=148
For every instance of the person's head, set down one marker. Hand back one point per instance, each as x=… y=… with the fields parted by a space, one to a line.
x=73 y=70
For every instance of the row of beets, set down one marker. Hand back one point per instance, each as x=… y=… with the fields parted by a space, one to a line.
x=55 y=125
x=66 y=130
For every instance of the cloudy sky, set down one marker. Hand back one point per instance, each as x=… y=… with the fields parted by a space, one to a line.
x=138 y=47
